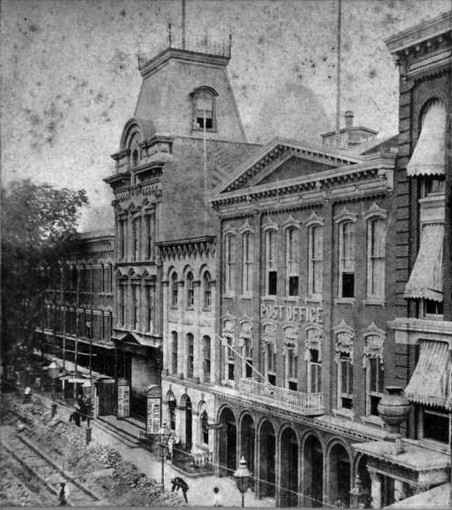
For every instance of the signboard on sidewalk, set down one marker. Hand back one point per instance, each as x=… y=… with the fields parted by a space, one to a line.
x=154 y=406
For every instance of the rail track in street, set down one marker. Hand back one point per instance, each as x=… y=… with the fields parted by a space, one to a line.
x=29 y=477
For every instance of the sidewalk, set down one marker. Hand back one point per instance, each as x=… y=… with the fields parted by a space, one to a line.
x=201 y=489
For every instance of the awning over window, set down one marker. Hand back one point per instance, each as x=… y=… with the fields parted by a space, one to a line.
x=429 y=156
x=429 y=383
x=426 y=279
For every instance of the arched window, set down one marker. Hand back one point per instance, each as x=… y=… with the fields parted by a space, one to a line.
x=134 y=150
x=207 y=290
x=174 y=289
x=346 y=259
x=229 y=260
x=204 y=117
x=247 y=262
x=292 y=267
x=190 y=290
x=271 y=262
x=190 y=355
x=204 y=429
x=207 y=363
x=315 y=248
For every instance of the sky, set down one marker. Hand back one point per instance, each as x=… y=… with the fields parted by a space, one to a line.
x=70 y=78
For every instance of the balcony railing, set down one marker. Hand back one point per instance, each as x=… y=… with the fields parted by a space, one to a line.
x=307 y=404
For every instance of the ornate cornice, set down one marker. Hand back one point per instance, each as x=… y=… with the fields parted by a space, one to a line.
x=172 y=250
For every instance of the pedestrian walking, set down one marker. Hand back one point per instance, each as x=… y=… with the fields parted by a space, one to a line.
x=180 y=483
x=216 y=497
x=27 y=395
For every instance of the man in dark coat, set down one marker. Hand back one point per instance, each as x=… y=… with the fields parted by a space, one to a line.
x=180 y=483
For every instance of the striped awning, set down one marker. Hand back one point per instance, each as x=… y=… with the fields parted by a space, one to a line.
x=429 y=383
x=429 y=155
x=426 y=279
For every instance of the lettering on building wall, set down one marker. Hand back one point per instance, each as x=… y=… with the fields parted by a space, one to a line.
x=292 y=313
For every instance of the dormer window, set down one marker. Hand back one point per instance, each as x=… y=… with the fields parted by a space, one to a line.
x=134 y=150
x=204 y=109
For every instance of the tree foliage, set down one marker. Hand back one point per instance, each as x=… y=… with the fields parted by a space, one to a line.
x=38 y=229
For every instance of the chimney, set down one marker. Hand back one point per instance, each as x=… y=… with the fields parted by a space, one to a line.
x=348 y=119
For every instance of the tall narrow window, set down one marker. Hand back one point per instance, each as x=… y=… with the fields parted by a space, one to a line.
x=271 y=363
x=122 y=239
x=135 y=306
x=291 y=262
x=229 y=359
x=190 y=355
x=207 y=358
x=346 y=259
x=376 y=258
x=108 y=279
x=375 y=384
x=174 y=352
x=204 y=428
x=149 y=308
x=122 y=305
x=292 y=369
x=248 y=357
x=314 y=372
x=207 y=290
x=150 y=228
x=136 y=239
x=204 y=106
x=174 y=289
x=229 y=263
x=247 y=263
x=345 y=388
x=315 y=273
x=270 y=258
x=190 y=291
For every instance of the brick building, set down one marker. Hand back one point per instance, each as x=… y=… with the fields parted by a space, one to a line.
x=422 y=329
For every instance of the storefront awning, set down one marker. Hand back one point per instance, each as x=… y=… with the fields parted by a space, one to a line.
x=429 y=155
x=426 y=279
x=429 y=384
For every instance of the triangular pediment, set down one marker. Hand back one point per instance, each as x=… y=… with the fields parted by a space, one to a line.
x=283 y=160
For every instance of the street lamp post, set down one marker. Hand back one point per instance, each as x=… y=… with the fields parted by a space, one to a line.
x=164 y=434
x=242 y=478
x=87 y=387
x=54 y=371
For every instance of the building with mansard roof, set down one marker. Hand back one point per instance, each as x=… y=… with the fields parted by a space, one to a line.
x=184 y=139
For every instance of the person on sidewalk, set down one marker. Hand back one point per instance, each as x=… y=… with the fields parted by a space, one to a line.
x=180 y=483
x=216 y=497
x=63 y=494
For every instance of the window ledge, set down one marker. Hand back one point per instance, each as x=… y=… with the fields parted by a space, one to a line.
x=344 y=301
x=314 y=299
x=293 y=299
x=269 y=297
x=375 y=302
x=373 y=420
x=204 y=309
x=228 y=383
x=173 y=307
x=246 y=296
x=229 y=295
x=343 y=413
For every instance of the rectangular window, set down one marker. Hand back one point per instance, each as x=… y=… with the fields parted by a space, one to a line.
x=432 y=309
x=174 y=350
x=435 y=424
x=375 y=382
x=135 y=306
x=230 y=263
x=230 y=360
x=315 y=372
x=345 y=382
x=247 y=263
x=190 y=355
x=136 y=231
x=122 y=305
x=271 y=363
x=204 y=110
x=207 y=358
x=376 y=258
x=346 y=260
x=149 y=308
x=270 y=258
x=122 y=239
x=150 y=228
x=190 y=291
x=292 y=370
x=174 y=289
x=292 y=275
x=248 y=357
x=315 y=272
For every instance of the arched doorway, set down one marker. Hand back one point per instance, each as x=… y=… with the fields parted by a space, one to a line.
x=339 y=486
x=267 y=441
x=227 y=443
x=187 y=417
x=248 y=441
x=364 y=476
x=313 y=473
x=289 y=468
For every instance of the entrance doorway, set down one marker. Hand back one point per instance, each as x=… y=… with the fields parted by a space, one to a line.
x=228 y=443
x=289 y=468
x=267 y=442
x=339 y=476
x=313 y=473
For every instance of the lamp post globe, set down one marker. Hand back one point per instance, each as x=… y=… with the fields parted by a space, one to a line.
x=242 y=478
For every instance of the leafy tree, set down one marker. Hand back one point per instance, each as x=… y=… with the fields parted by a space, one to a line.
x=38 y=230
